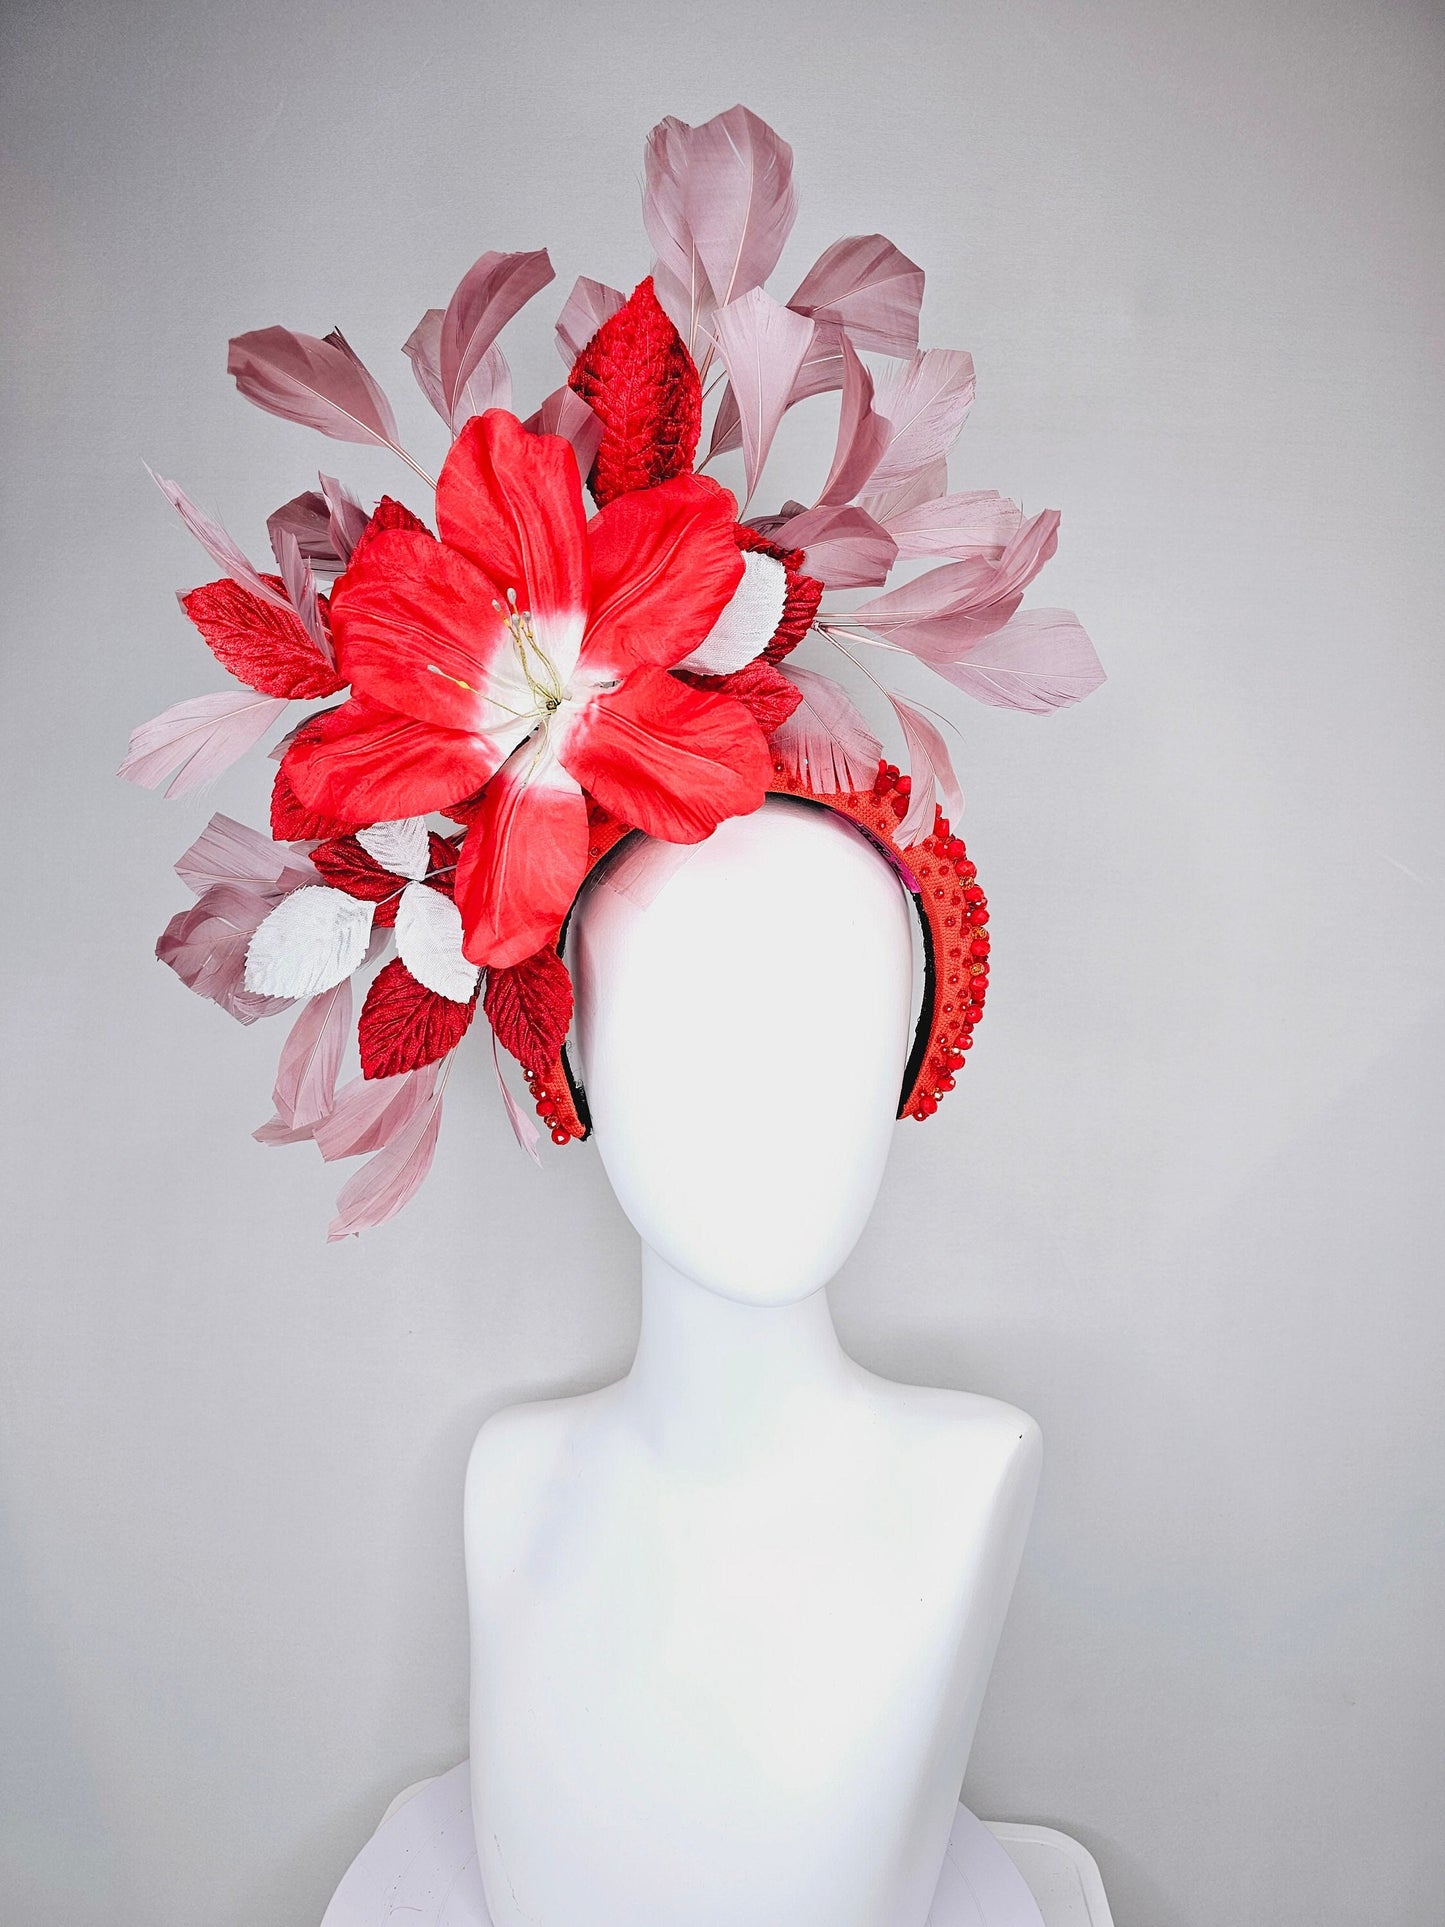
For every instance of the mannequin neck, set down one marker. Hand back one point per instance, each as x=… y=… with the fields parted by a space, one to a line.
x=715 y=1382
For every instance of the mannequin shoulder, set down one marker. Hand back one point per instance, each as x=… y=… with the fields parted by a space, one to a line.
x=962 y=1433
x=516 y=1455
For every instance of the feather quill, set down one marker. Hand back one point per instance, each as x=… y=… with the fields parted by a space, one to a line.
x=491 y=291
x=231 y=852
x=587 y=307
x=930 y=770
x=925 y=403
x=843 y=547
x=863 y=434
x=370 y=1112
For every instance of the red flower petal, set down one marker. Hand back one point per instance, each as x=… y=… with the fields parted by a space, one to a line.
x=639 y=380
x=266 y=647
x=522 y=860
x=668 y=759
x=764 y=692
x=404 y=1025
x=512 y=501
x=360 y=763
x=293 y=821
x=529 y=1006
x=416 y=632
x=664 y=567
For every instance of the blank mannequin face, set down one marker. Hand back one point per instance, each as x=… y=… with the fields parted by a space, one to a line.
x=742 y=1028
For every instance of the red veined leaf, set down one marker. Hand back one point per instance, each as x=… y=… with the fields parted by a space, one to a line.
x=264 y=647
x=347 y=865
x=404 y=1025
x=389 y=514
x=759 y=687
x=639 y=380
x=529 y=1006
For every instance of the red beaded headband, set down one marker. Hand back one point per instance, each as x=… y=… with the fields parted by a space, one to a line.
x=953 y=919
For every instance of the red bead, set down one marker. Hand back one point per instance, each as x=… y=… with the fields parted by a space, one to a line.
x=979 y=947
x=946 y=1082
x=928 y=1105
x=974 y=894
x=559 y=1136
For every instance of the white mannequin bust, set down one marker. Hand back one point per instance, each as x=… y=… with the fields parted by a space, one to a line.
x=732 y=1617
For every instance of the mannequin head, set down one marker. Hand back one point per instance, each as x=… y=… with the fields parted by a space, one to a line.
x=742 y=1027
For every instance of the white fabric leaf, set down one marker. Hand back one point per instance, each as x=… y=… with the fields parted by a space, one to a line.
x=749 y=622
x=400 y=847
x=310 y=941
x=429 y=943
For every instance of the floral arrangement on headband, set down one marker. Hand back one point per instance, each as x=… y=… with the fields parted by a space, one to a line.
x=546 y=683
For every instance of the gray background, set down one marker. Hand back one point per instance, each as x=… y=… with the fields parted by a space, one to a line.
x=1186 y=1209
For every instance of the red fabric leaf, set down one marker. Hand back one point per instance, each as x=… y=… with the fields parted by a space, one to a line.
x=758 y=686
x=529 y=1006
x=404 y=1025
x=347 y=866
x=800 y=604
x=389 y=514
x=267 y=648
x=639 y=380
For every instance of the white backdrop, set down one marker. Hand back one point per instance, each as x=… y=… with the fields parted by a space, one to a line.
x=1186 y=1208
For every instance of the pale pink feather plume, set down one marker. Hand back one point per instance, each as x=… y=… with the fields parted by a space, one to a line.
x=980 y=522
x=943 y=613
x=301 y=588
x=587 y=307
x=217 y=544
x=423 y=349
x=863 y=433
x=230 y=852
x=316 y=381
x=348 y=517
x=870 y=288
x=368 y=1113
x=843 y=547
x=678 y=276
x=196 y=740
x=930 y=770
x=822 y=371
x=206 y=947
x=826 y=741
x=565 y=413
x=491 y=291
x=763 y=345
x=523 y=1129
x=1040 y=661
x=925 y=402
x=307 y=518
x=926 y=485
x=391 y=1177
x=311 y=1056
x=737 y=199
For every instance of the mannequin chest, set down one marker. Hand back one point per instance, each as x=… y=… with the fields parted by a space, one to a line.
x=782 y=1659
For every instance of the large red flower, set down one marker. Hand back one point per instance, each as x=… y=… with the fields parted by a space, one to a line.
x=528 y=650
